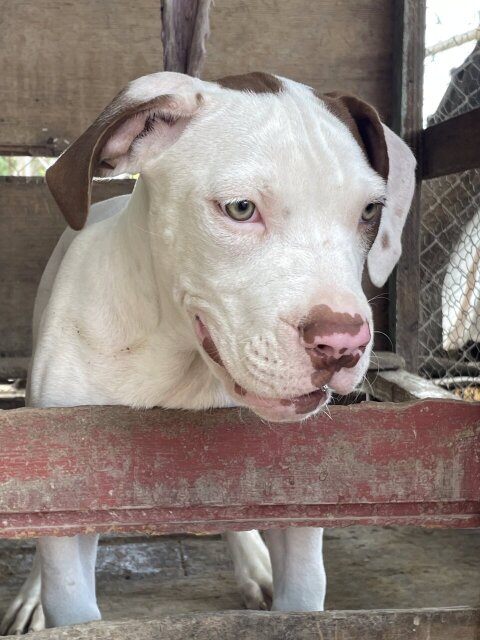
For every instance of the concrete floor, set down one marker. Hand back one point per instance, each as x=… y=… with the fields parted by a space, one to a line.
x=367 y=568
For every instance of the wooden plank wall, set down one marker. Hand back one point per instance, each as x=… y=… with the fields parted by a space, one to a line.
x=30 y=225
x=63 y=61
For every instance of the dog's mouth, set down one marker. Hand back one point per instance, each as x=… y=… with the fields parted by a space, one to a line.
x=276 y=409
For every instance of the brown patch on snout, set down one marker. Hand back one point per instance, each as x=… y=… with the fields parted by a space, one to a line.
x=327 y=366
x=323 y=321
x=211 y=350
x=257 y=82
x=306 y=403
x=385 y=241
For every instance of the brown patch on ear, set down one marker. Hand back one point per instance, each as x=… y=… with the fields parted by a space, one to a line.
x=70 y=178
x=364 y=124
x=257 y=82
x=385 y=241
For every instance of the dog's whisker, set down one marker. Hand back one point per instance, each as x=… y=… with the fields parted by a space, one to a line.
x=381 y=333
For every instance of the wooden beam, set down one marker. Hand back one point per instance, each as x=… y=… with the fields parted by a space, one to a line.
x=47 y=150
x=13 y=368
x=451 y=146
x=460 y=623
x=401 y=386
x=409 y=46
x=65 y=471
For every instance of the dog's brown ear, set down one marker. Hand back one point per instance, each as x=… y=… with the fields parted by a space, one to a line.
x=365 y=126
x=160 y=104
x=393 y=160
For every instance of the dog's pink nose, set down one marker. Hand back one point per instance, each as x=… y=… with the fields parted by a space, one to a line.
x=334 y=337
x=338 y=343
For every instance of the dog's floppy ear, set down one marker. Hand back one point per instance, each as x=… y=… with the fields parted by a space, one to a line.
x=365 y=126
x=393 y=160
x=387 y=248
x=147 y=116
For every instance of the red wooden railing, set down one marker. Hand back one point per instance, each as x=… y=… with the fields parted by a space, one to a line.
x=64 y=471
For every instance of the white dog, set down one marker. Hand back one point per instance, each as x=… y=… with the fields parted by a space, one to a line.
x=231 y=275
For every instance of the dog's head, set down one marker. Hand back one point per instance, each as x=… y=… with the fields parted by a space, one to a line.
x=265 y=200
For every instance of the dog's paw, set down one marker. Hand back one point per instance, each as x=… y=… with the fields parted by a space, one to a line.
x=22 y=616
x=25 y=613
x=256 y=594
x=252 y=567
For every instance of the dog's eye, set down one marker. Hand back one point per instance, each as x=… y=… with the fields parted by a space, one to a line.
x=241 y=211
x=371 y=211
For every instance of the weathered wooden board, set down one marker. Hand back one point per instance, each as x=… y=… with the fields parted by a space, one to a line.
x=451 y=146
x=62 y=61
x=328 y=44
x=408 y=624
x=398 y=385
x=30 y=225
x=409 y=53
x=110 y=468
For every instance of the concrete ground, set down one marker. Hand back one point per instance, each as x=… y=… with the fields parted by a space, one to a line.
x=367 y=568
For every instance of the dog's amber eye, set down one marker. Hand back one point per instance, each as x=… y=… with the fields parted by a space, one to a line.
x=241 y=211
x=371 y=211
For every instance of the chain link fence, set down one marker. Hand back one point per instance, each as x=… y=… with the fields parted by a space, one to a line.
x=449 y=334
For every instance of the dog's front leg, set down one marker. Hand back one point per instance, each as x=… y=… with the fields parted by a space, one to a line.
x=68 y=579
x=299 y=580
x=25 y=613
x=251 y=564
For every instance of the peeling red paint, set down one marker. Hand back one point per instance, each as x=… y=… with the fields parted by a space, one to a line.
x=63 y=471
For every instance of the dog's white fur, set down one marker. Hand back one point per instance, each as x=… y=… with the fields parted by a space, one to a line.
x=115 y=317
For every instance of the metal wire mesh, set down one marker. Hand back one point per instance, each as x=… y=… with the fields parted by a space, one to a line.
x=449 y=333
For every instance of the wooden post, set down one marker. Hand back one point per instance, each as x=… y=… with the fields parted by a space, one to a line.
x=409 y=48
x=185 y=28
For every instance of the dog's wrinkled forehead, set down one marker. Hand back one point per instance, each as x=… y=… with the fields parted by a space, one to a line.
x=360 y=118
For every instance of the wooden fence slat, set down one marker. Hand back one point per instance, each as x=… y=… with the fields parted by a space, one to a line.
x=413 y=624
x=451 y=146
x=409 y=49
x=111 y=468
